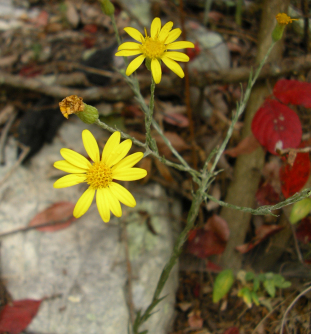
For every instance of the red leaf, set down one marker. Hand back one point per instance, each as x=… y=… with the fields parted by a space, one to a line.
x=205 y=243
x=16 y=317
x=276 y=126
x=266 y=195
x=293 y=178
x=303 y=231
x=263 y=232
x=91 y=28
x=213 y=267
x=232 y=330
x=248 y=145
x=294 y=92
x=60 y=213
x=193 y=53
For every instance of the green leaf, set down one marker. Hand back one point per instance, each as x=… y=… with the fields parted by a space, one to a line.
x=267 y=304
x=261 y=277
x=246 y=294
x=269 y=286
x=256 y=284
x=249 y=276
x=223 y=284
x=300 y=210
x=255 y=298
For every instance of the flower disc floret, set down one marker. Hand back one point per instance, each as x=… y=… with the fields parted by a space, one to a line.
x=152 y=48
x=155 y=48
x=101 y=174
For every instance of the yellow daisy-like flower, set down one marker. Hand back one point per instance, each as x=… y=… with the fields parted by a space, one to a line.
x=155 y=48
x=100 y=174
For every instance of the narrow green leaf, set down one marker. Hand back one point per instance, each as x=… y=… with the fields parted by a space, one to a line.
x=300 y=210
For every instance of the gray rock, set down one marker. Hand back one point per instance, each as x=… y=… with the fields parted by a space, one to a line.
x=83 y=266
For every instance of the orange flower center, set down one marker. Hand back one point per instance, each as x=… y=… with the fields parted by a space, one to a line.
x=152 y=48
x=283 y=18
x=99 y=175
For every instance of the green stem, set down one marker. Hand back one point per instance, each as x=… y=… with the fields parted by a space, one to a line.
x=149 y=116
x=193 y=213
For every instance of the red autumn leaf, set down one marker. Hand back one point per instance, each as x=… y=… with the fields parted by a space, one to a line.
x=16 y=317
x=248 y=145
x=266 y=195
x=193 y=53
x=293 y=178
x=232 y=330
x=213 y=267
x=303 y=231
x=263 y=232
x=276 y=126
x=91 y=28
x=205 y=243
x=294 y=92
x=59 y=215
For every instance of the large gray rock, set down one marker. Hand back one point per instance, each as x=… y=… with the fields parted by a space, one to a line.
x=84 y=265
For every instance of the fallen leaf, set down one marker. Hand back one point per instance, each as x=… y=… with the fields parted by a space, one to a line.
x=195 y=320
x=246 y=146
x=276 y=126
x=294 y=92
x=146 y=164
x=90 y=28
x=164 y=171
x=232 y=330
x=72 y=14
x=293 y=178
x=262 y=233
x=303 y=231
x=177 y=120
x=59 y=213
x=177 y=142
x=213 y=267
x=16 y=317
x=219 y=226
x=266 y=195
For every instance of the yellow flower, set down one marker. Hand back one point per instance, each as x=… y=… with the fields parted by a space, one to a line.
x=155 y=48
x=283 y=18
x=100 y=174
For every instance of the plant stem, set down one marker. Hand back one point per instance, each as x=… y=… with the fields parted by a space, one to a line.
x=149 y=114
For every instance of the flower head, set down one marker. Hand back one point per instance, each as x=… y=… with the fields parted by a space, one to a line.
x=282 y=20
x=100 y=174
x=155 y=48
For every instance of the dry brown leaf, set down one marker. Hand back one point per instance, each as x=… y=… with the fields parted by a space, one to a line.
x=146 y=163
x=59 y=215
x=248 y=145
x=164 y=171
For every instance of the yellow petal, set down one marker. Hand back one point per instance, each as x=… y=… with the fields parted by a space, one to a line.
x=179 y=45
x=90 y=145
x=75 y=158
x=122 y=194
x=129 y=161
x=119 y=153
x=156 y=70
x=155 y=27
x=84 y=203
x=134 y=64
x=172 y=65
x=114 y=204
x=102 y=202
x=69 y=180
x=129 y=46
x=128 y=53
x=179 y=56
x=112 y=143
x=129 y=174
x=165 y=30
x=173 y=35
x=134 y=33
x=68 y=167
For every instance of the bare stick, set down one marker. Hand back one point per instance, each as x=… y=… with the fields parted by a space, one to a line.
x=4 y=135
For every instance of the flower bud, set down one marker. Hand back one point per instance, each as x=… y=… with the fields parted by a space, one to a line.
x=282 y=20
x=107 y=7
x=74 y=105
